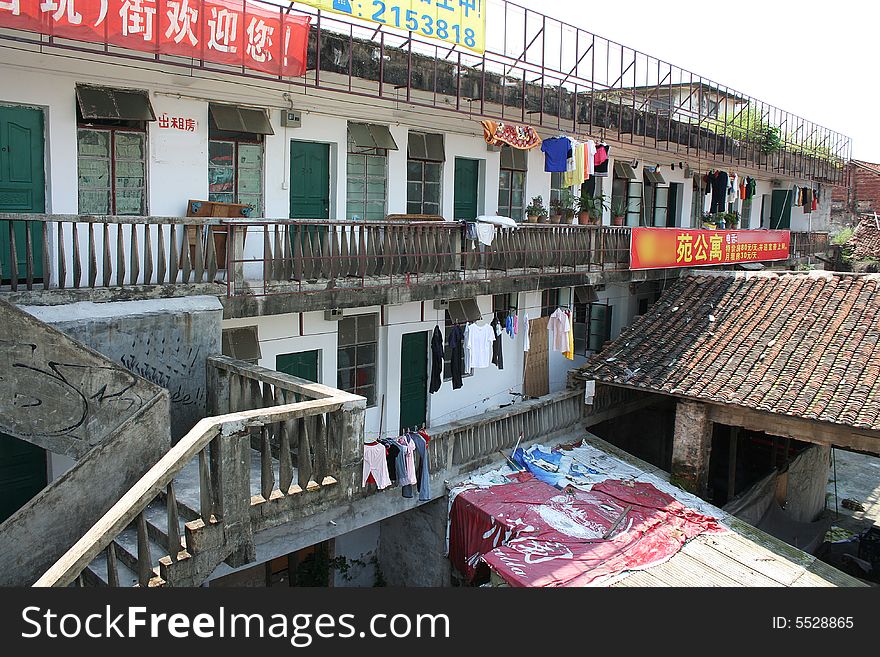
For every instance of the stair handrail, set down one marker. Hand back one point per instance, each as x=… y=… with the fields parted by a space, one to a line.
x=121 y=514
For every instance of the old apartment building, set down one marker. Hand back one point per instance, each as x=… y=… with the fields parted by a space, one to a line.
x=220 y=374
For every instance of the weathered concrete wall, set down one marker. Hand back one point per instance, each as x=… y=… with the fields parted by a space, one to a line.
x=691 y=443
x=57 y=394
x=39 y=533
x=356 y=557
x=412 y=547
x=166 y=341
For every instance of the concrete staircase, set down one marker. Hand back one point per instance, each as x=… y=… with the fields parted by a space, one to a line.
x=66 y=398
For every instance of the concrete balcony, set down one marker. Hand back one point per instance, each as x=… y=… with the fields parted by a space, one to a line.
x=274 y=266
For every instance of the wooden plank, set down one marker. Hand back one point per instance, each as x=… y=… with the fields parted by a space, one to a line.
x=77 y=265
x=62 y=258
x=107 y=263
x=723 y=563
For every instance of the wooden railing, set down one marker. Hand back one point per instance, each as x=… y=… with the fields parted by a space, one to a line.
x=222 y=445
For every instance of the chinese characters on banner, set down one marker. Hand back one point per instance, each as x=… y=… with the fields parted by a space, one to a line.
x=234 y=32
x=462 y=22
x=660 y=248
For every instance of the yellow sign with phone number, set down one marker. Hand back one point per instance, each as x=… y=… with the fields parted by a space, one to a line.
x=462 y=22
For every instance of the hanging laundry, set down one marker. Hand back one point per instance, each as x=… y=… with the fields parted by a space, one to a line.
x=559 y=326
x=485 y=233
x=603 y=153
x=456 y=346
x=480 y=342
x=508 y=324
x=569 y=351
x=437 y=355
x=466 y=347
x=375 y=466
x=556 y=153
x=590 y=153
x=718 y=181
x=515 y=323
x=753 y=187
x=497 y=355
x=733 y=189
x=815 y=200
x=405 y=466
x=522 y=137
x=423 y=476
x=526 y=332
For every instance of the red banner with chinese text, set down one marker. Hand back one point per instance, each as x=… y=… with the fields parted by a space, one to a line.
x=665 y=248
x=234 y=32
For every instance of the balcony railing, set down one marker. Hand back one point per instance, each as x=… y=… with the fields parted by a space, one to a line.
x=256 y=258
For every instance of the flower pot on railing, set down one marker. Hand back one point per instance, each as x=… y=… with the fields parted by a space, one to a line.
x=555 y=218
x=531 y=219
x=584 y=218
x=617 y=221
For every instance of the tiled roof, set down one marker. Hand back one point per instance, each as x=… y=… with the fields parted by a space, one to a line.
x=870 y=166
x=798 y=344
x=866 y=239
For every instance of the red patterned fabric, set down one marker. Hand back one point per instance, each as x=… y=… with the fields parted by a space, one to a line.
x=522 y=137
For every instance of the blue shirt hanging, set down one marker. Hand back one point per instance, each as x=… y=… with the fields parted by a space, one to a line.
x=556 y=150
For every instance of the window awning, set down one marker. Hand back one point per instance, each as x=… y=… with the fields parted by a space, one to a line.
x=426 y=146
x=585 y=294
x=464 y=310
x=624 y=170
x=241 y=343
x=118 y=104
x=514 y=158
x=371 y=135
x=654 y=177
x=231 y=118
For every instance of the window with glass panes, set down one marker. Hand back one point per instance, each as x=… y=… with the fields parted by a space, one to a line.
x=235 y=169
x=367 y=182
x=549 y=301
x=592 y=327
x=356 y=356
x=634 y=203
x=556 y=187
x=512 y=183
x=111 y=169
x=423 y=186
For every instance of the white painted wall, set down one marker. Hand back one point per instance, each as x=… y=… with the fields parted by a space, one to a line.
x=359 y=549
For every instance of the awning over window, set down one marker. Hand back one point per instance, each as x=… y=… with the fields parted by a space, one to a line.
x=514 y=158
x=242 y=343
x=118 y=104
x=426 y=146
x=624 y=170
x=585 y=294
x=371 y=135
x=654 y=177
x=231 y=118
x=464 y=310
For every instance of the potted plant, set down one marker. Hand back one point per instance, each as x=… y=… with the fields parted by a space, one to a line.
x=618 y=211
x=568 y=204
x=732 y=220
x=590 y=209
x=555 y=211
x=536 y=210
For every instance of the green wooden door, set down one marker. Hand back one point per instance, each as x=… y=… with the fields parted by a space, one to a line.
x=467 y=180
x=780 y=209
x=22 y=473
x=303 y=364
x=22 y=185
x=309 y=180
x=413 y=379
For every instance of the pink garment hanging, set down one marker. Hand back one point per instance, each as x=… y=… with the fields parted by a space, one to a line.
x=376 y=464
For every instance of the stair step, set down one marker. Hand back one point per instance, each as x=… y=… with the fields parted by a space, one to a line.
x=96 y=572
x=126 y=551
x=157 y=522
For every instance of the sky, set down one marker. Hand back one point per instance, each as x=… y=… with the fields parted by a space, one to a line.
x=818 y=60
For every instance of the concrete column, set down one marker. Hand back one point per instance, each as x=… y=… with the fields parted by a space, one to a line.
x=691 y=444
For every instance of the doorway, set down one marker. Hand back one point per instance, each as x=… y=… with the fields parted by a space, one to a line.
x=413 y=380
x=22 y=473
x=22 y=186
x=309 y=180
x=467 y=189
x=780 y=209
